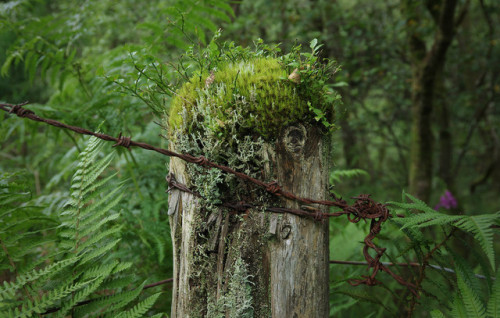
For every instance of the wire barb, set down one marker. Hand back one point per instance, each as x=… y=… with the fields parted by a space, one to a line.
x=123 y=141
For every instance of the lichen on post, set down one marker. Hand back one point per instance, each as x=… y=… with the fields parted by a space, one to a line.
x=245 y=112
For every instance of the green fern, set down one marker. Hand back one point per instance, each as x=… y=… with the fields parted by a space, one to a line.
x=141 y=308
x=470 y=299
x=493 y=308
x=86 y=235
x=467 y=301
x=477 y=225
x=437 y=314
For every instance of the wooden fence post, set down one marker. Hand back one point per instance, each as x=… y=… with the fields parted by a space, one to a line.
x=255 y=264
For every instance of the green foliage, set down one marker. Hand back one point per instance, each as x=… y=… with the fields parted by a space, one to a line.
x=88 y=64
x=336 y=176
x=85 y=234
x=477 y=225
x=493 y=309
x=467 y=299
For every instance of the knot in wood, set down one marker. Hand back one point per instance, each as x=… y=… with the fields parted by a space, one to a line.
x=294 y=139
x=285 y=231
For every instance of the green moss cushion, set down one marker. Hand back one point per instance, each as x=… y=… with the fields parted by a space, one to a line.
x=258 y=90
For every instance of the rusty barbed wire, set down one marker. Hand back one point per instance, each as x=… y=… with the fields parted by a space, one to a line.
x=271 y=187
x=364 y=208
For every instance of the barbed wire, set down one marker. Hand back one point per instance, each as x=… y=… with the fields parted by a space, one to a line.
x=364 y=208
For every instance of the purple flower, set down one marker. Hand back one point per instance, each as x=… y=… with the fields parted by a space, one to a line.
x=446 y=201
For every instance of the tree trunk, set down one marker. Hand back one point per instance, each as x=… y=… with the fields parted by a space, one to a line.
x=260 y=264
x=426 y=66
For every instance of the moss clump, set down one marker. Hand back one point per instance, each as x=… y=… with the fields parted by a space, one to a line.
x=257 y=92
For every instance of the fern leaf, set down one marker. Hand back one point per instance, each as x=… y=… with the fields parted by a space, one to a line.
x=437 y=314
x=99 y=251
x=22 y=280
x=415 y=204
x=40 y=305
x=458 y=308
x=82 y=294
x=98 y=185
x=95 y=171
x=93 y=227
x=111 y=303
x=472 y=304
x=116 y=283
x=141 y=308
x=121 y=267
x=479 y=226
x=493 y=308
x=96 y=213
x=100 y=236
x=98 y=270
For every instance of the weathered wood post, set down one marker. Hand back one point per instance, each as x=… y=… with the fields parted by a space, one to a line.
x=249 y=116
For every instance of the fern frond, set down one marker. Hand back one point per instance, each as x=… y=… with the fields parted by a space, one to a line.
x=120 y=282
x=91 y=228
x=416 y=204
x=493 y=308
x=98 y=270
x=428 y=219
x=94 y=172
x=47 y=300
x=9 y=289
x=112 y=303
x=82 y=294
x=480 y=227
x=100 y=251
x=110 y=200
x=121 y=267
x=141 y=308
x=473 y=306
x=105 y=182
x=100 y=236
x=458 y=308
x=436 y=314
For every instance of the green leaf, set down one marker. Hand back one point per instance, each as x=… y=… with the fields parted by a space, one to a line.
x=437 y=314
x=493 y=308
x=313 y=43
x=140 y=309
x=470 y=299
x=480 y=227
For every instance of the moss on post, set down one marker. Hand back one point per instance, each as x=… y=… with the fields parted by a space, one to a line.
x=258 y=91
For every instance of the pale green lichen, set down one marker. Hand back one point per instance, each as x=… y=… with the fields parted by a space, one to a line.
x=257 y=89
x=237 y=300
